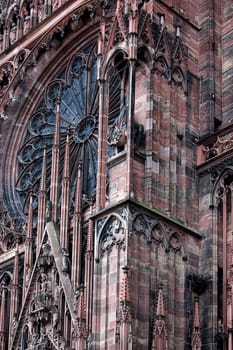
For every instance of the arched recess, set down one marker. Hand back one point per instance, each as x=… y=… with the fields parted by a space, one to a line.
x=126 y=130
x=223 y=209
x=110 y=257
x=113 y=127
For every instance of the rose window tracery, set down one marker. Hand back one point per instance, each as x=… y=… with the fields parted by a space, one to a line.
x=77 y=90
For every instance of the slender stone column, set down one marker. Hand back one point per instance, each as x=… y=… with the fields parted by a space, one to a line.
x=28 y=247
x=230 y=301
x=14 y=292
x=102 y=145
x=41 y=202
x=225 y=257
x=3 y=317
x=81 y=320
x=55 y=164
x=77 y=232
x=89 y=270
x=65 y=201
x=133 y=28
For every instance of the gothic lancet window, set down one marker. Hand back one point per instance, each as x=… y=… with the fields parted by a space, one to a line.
x=77 y=88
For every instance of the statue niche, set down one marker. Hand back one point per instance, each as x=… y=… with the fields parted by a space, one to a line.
x=43 y=300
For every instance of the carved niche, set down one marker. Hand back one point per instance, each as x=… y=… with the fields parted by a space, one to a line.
x=111 y=234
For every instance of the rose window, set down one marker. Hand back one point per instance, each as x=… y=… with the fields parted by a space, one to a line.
x=77 y=89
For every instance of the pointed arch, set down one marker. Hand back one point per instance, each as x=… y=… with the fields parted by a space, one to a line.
x=161 y=67
x=140 y=226
x=158 y=234
x=145 y=57
x=228 y=170
x=112 y=232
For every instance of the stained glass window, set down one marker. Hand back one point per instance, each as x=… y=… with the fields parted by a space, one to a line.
x=79 y=92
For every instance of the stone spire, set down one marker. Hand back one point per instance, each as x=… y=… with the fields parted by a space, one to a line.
x=159 y=331
x=196 y=334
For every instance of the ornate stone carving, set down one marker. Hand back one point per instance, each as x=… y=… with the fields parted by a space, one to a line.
x=125 y=308
x=161 y=67
x=45 y=259
x=157 y=234
x=140 y=226
x=118 y=131
x=165 y=236
x=174 y=242
x=6 y=75
x=221 y=145
x=42 y=302
x=65 y=261
x=9 y=232
x=114 y=234
x=177 y=77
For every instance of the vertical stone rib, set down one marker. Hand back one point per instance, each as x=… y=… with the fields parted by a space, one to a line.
x=102 y=146
x=225 y=258
x=14 y=291
x=28 y=246
x=133 y=27
x=230 y=306
x=42 y=201
x=2 y=317
x=81 y=320
x=89 y=269
x=55 y=164
x=65 y=198
x=77 y=233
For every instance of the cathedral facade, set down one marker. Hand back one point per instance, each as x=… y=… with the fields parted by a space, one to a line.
x=116 y=160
